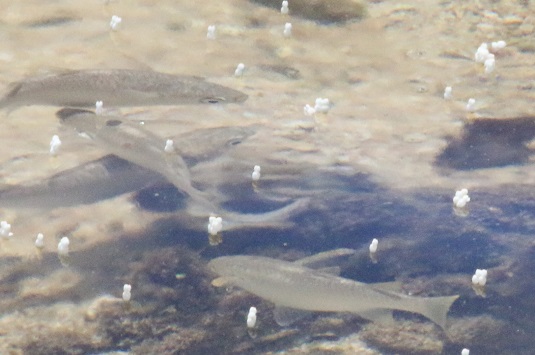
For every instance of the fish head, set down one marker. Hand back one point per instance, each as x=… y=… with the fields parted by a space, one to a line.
x=217 y=94
x=79 y=119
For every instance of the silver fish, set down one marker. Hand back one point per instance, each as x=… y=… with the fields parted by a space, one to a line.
x=134 y=143
x=117 y=88
x=94 y=181
x=296 y=286
x=110 y=175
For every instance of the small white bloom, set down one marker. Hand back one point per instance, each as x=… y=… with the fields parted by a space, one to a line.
x=5 y=229
x=448 y=93
x=256 y=173
x=287 y=30
x=215 y=224
x=126 y=292
x=40 y=241
x=490 y=64
x=251 y=317
x=480 y=277
x=373 y=245
x=115 y=21
x=482 y=53
x=461 y=198
x=239 y=69
x=322 y=105
x=169 y=146
x=284 y=8
x=55 y=143
x=98 y=107
x=63 y=246
x=211 y=32
x=309 y=110
x=471 y=105
x=496 y=46
x=465 y=351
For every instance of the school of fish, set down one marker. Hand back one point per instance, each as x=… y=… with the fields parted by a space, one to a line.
x=136 y=159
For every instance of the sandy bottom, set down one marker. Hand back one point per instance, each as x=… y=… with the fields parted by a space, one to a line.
x=385 y=77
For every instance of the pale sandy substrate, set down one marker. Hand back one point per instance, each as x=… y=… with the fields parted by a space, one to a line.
x=385 y=76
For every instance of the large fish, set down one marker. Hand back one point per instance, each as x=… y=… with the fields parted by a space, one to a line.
x=110 y=175
x=117 y=88
x=94 y=181
x=134 y=143
x=295 y=285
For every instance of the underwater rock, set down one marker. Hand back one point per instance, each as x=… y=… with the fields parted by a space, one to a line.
x=322 y=11
x=50 y=329
x=180 y=341
x=53 y=287
x=160 y=198
x=486 y=143
x=352 y=344
x=485 y=333
x=404 y=337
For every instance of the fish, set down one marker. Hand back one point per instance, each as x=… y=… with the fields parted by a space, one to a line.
x=296 y=286
x=322 y=11
x=110 y=176
x=88 y=183
x=132 y=142
x=117 y=88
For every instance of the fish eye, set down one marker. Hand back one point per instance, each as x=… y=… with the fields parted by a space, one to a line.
x=212 y=100
x=234 y=141
x=113 y=123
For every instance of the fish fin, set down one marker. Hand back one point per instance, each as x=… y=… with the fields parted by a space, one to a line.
x=13 y=89
x=284 y=316
x=394 y=286
x=436 y=309
x=6 y=102
x=331 y=270
x=220 y=282
x=326 y=258
x=274 y=219
x=379 y=315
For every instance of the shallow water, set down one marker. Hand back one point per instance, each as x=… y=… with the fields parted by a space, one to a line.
x=384 y=163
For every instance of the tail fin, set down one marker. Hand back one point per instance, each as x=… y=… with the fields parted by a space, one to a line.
x=436 y=309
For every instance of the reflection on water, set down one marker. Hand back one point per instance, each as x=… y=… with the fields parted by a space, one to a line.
x=383 y=163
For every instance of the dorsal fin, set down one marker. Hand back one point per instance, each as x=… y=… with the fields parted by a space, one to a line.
x=326 y=258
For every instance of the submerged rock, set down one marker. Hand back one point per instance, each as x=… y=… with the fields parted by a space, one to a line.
x=404 y=337
x=486 y=143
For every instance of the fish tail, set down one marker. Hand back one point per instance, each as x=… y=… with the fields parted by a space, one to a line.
x=6 y=105
x=9 y=102
x=436 y=309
